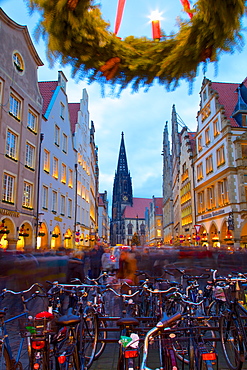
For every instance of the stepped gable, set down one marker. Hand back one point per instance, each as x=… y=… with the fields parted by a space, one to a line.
x=138 y=208
x=47 y=89
x=228 y=97
x=73 y=113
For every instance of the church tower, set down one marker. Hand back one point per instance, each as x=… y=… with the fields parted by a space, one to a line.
x=121 y=197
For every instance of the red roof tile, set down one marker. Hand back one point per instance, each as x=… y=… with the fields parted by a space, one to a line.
x=73 y=112
x=227 y=97
x=158 y=203
x=138 y=208
x=47 y=89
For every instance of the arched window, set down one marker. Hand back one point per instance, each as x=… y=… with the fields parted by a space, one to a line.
x=130 y=229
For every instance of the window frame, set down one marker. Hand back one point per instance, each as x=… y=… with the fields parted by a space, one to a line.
x=27 y=200
x=11 y=149
x=34 y=124
x=57 y=135
x=30 y=155
x=220 y=155
x=15 y=109
x=55 y=167
x=46 y=161
x=8 y=196
x=45 y=197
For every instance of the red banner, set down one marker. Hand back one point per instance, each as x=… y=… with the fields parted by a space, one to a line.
x=119 y=15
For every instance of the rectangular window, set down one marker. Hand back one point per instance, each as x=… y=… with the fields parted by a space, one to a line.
x=15 y=107
x=62 y=205
x=32 y=121
x=30 y=153
x=62 y=111
x=209 y=164
x=70 y=178
x=244 y=120
x=222 y=192
x=57 y=135
x=11 y=145
x=55 y=168
x=45 y=197
x=46 y=161
x=27 y=195
x=244 y=150
x=207 y=136
x=54 y=201
x=199 y=143
x=204 y=94
x=220 y=154
x=70 y=208
x=63 y=174
x=216 y=127
x=199 y=172
x=65 y=143
x=8 y=188
x=210 y=197
x=201 y=204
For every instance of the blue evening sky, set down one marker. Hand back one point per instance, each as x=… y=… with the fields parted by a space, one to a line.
x=141 y=116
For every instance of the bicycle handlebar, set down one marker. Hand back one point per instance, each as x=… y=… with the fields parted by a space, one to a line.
x=4 y=291
x=122 y=294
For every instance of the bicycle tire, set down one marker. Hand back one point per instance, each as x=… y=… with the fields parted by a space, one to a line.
x=5 y=360
x=89 y=338
x=231 y=341
x=102 y=335
x=215 y=308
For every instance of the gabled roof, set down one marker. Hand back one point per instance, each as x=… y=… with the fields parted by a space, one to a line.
x=138 y=208
x=73 y=113
x=228 y=97
x=47 y=89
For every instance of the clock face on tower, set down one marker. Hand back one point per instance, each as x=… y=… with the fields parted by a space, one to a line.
x=125 y=198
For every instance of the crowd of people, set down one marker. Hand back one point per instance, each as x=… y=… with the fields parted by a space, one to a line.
x=98 y=260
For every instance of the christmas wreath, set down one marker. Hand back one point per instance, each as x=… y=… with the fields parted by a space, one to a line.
x=77 y=35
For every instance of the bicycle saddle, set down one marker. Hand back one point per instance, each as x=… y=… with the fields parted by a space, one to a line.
x=68 y=319
x=127 y=321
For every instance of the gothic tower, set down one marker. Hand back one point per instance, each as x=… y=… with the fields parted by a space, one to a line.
x=121 y=197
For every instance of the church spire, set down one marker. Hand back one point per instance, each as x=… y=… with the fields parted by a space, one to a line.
x=122 y=159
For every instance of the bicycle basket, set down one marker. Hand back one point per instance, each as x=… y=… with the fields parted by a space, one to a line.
x=37 y=327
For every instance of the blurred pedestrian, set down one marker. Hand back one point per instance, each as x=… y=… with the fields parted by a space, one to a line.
x=76 y=267
x=95 y=262
x=127 y=267
x=106 y=261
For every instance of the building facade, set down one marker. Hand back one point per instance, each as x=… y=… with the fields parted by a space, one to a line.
x=20 y=118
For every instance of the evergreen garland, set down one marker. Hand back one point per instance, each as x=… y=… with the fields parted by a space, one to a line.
x=77 y=35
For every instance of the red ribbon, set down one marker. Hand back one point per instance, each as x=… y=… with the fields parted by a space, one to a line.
x=186 y=6
x=119 y=15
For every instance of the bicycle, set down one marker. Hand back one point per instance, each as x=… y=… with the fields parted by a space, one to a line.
x=7 y=358
x=232 y=326
x=166 y=351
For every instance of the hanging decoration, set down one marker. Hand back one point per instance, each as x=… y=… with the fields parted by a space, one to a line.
x=120 y=9
x=186 y=6
x=77 y=35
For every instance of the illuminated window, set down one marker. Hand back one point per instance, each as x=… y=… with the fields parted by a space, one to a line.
x=57 y=135
x=32 y=121
x=54 y=201
x=45 y=197
x=207 y=136
x=11 y=145
x=222 y=192
x=30 y=153
x=27 y=195
x=18 y=62
x=244 y=120
x=8 y=188
x=15 y=107
x=158 y=222
x=46 y=161
x=216 y=127
x=55 y=168
x=199 y=143
x=210 y=197
x=65 y=143
x=199 y=172
x=244 y=150
x=63 y=175
x=70 y=178
x=62 y=205
x=220 y=155
x=201 y=204
x=209 y=164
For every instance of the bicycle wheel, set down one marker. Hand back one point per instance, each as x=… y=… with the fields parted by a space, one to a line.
x=5 y=361
x=89 y=337
x=232 y=341
x=102 y=335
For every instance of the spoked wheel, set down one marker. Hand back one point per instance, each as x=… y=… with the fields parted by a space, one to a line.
x=89 y=338
x=102 y=335
x=232 y=341
x=5 y=362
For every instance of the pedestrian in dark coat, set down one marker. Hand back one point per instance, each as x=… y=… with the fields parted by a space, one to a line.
x=95 y=262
